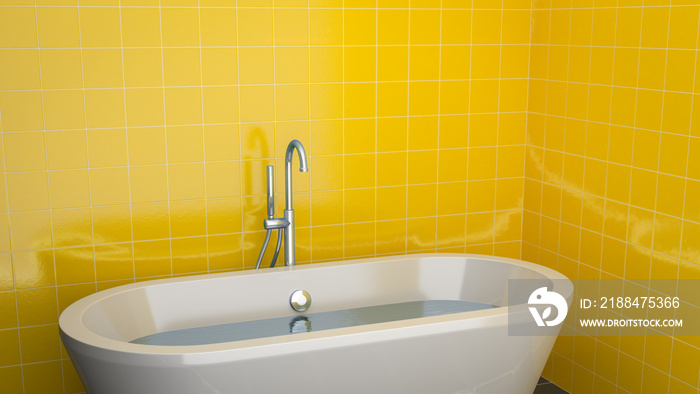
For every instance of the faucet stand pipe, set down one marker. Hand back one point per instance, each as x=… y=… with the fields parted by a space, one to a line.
x=289 y=252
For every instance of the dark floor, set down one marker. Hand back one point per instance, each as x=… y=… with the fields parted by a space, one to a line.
x=544 y=386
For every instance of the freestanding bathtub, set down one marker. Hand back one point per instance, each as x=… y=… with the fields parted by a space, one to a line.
x=467 y=352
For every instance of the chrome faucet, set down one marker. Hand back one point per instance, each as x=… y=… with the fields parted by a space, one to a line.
x=289 y=249
x=286 y=223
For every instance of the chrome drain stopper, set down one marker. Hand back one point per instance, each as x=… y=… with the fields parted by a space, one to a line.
x=300 y=300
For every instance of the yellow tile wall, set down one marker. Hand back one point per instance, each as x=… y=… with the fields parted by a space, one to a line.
x=612 y=181
x=135 y=136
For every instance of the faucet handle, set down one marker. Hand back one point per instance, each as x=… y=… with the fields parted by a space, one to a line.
x=271 y=191
x=273 y=224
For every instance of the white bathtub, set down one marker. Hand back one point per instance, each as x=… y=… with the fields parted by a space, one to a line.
x=469 y=352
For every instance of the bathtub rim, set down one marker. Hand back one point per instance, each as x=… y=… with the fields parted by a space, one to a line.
x=73 y=330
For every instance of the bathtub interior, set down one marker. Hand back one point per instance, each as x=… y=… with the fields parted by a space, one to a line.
x=135 y=311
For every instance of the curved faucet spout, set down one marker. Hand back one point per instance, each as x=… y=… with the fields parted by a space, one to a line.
x=303 y=164
x=289 y=252
x=303 y=167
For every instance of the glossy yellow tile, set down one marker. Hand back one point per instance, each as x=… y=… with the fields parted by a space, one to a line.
x=58 y=27
x=391 y=236
x=39 y=343
x=187 y=218
x=359 y=136
x=37 y=306
x=391 y=203
x=221 y=142
x=218 y=26
x=224 y=216
x=359 y=239
x=143 y=67
x=45 y=377
x=31 y=230
x=22 y=111
x=255 y=27
x=148 y=184
x=69 y=189
x=24 y=151
x=150 y=221
x=328 y=173
x=180 y=27
x=28 y=191
x=326 y=242
x=327 y=208
x=183 y=106
x=104 y=108
x=152 y=258
x=20 y=69
x=109 y=186
x=19 y=28
x=10 y=345
x=6 y=272
x=219 y=66
x=113 y=262
x=141 y=27
x=189 y=255
x=99 y=27
x=61 y=68
x=392 y=27
x=225 y=252
x=186 y=182
x=33 y=269
x=359 y=205
x=392 y=134
x=325 y=27
x=181 y=66
x=146 y=146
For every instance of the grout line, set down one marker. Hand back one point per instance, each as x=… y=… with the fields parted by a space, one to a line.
x=498 y=125
x=527 y=118
x=128 y=159
x=376 y=129
x=437 y=152
x=607 y=170
x=254 y=231
x=311 y=141
x=270 y=46
x=359 y=118
x=240 y=148
x=354 y=8
x=165 y=134
x=656 y=190
x=274 y=137
x=279 y=121
x=563 y=163
x=636 y=99
x=685 y=188
x=325 y=83
x=87 y=158
x=9 y=233
x=204 y=148
x=342 y=37
x=408 y=107
x=544 y=139
x=544 y=149
x=588 y=92
x=377 y=238
x=48 y=185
